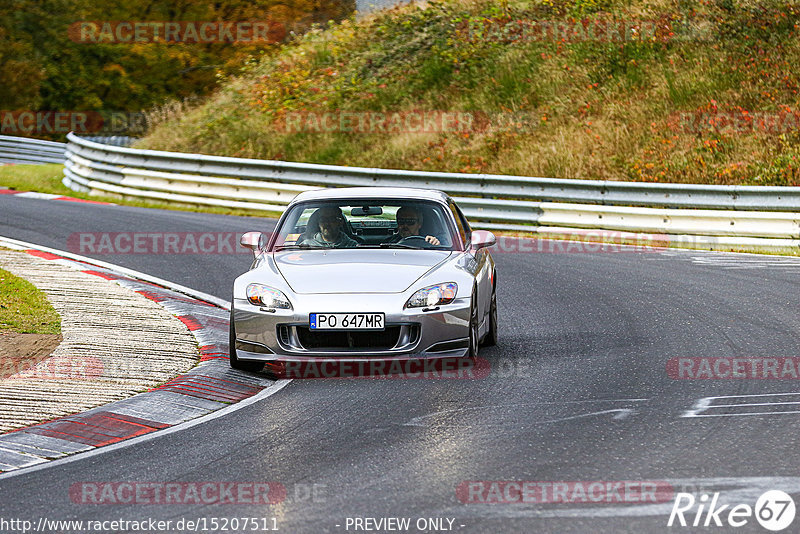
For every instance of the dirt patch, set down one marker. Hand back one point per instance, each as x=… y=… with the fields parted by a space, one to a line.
x=19 y=352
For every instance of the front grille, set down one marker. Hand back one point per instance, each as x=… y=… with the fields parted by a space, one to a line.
x=376 y=340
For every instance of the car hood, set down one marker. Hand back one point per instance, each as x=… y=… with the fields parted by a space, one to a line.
x=356 y=271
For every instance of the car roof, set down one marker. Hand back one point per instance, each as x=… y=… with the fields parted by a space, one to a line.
x=392 y=193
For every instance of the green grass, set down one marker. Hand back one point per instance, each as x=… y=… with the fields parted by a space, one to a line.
x=39 y=178
x=24 y=309
x=593 y=109
x=47 y=179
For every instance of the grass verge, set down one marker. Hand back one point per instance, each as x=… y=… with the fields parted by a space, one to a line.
x=24 y=309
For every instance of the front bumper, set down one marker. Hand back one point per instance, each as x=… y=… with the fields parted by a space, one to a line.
x=283 y=335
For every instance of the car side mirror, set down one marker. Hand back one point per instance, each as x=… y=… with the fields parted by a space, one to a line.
x=252 y=240
x=482 y=239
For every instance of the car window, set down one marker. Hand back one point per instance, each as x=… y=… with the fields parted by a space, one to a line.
x=367 y=223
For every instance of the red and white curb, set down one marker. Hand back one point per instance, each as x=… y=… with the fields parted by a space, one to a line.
x=48 y=196
x=206 y=389
x=114 y=343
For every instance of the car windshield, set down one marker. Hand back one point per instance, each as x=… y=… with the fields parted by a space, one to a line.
x=367 y=223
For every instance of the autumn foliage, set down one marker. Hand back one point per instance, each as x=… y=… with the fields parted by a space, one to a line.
x=45 y=65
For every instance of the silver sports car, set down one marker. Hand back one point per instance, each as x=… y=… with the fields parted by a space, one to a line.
x=365 y=273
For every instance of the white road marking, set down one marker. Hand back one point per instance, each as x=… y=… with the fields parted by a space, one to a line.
x=34 y=194
x=743 y=261
x=702 y=406
x=621 y=413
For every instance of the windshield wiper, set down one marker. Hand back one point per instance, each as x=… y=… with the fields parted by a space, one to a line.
x=290 y=247
x=398 y=245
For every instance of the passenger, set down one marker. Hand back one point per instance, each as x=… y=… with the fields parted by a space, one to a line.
x=409 y=222
x=331 y=221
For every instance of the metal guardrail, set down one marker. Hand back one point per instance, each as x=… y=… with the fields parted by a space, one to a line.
x=493 y=201
x=115 y=140
x=27 y=151
x=487 y=185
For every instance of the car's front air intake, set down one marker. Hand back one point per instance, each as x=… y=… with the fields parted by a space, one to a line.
x=392 y=337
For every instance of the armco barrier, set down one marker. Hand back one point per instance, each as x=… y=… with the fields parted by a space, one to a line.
x=759 y=214
x=27 y=151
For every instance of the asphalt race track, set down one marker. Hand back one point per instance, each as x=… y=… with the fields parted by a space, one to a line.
x=578 y=391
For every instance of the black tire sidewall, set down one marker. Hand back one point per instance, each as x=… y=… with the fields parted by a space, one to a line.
x=474 y=340
x=491 y=335
x=232 y=342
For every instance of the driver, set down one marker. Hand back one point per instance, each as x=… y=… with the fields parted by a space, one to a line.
x=330 y=232
x=409 y=222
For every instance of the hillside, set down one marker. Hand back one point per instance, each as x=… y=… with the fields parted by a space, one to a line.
x=602 y=89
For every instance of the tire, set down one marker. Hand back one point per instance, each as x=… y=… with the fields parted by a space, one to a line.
x=236 y=363
x=472 y=351
x=491 y=336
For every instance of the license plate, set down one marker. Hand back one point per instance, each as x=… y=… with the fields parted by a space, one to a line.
x=346 y=321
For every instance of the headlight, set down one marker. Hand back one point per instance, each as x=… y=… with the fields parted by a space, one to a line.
x=260 y=295
x=433 y=296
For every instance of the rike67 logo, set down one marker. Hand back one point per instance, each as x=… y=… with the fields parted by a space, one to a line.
x=774 y=510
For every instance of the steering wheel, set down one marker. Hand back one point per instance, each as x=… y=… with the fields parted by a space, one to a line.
x=414 y=240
